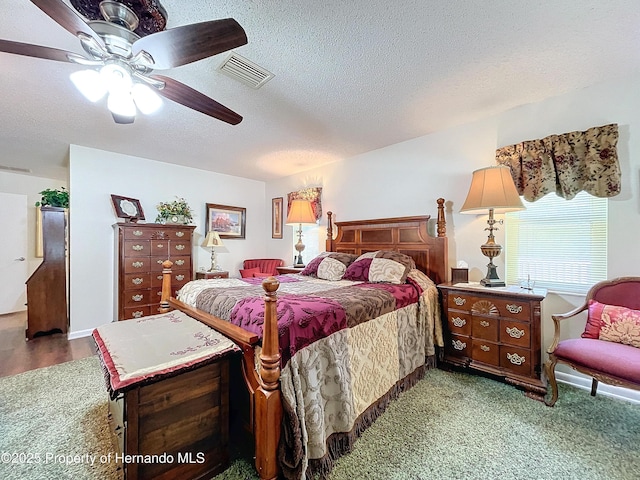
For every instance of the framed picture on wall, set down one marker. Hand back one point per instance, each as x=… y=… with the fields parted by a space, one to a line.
x=276 y=217
x=127 y=208
x=228 y=221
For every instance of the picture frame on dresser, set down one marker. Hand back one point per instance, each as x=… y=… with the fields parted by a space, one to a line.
x=228 y=221
x=276 y=217
x=127 y=208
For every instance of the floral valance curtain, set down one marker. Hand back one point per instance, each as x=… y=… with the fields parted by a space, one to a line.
x=313 y=194
x=565 y=164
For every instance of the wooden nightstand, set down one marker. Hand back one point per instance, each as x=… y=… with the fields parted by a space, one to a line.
x=283 y=270
x=208 y=275
x=495 y=330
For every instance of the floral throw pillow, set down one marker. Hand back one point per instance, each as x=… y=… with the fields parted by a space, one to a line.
x=381 y=266
x=328 y=266
x=616 y=324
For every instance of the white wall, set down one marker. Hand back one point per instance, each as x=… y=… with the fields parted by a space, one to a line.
x=96 y=174
x=407 y=178
x=31 y=187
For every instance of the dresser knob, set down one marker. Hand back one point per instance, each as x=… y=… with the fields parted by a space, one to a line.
x=458 y=322
x=515 y=358
x=515 y=332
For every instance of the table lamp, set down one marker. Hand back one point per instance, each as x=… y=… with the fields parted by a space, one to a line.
x=213 y=241
x=492 y=189
x=300 y=213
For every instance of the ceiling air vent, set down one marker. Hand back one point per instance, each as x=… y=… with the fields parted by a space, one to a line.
x=245 y=71
x=15 y=169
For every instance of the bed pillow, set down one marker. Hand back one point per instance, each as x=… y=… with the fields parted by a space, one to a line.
x=381 y=266
x=249 y=272
x=328 y=266
x=613 y=324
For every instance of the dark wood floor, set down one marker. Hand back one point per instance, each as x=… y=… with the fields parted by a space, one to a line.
x=18 y=355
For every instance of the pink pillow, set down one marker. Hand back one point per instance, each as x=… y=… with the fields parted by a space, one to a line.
x=594 y=320
x=613 y=324
x=249 y=272
x=261 y=275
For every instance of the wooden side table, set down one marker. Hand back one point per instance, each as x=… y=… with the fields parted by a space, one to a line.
x=208 y=275
x=495 y=330
x=283 y=270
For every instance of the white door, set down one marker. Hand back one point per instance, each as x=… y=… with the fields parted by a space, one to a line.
x=13 y=252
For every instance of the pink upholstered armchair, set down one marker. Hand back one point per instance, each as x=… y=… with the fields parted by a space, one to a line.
x=260 y=267
x=609 y=348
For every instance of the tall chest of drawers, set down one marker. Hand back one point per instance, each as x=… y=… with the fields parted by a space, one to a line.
x=495 y=330
x=141 y=249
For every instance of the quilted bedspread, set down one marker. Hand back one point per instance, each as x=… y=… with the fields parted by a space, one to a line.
x=347 y=349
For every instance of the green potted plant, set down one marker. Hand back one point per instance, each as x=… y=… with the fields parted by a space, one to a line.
x=178 y=212
x=58 y=197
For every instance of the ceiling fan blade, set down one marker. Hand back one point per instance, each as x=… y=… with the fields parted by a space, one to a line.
x=66 y=17
x=187 y=96
x=189 y=43
x=29 y=50
x=36 y=51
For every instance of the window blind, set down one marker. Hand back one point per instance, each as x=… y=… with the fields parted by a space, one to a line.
x=559 y=244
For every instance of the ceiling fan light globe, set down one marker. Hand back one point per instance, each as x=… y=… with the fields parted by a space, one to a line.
x=121 y=104
x=146 y=99
x=90 y=84
x=117 y=78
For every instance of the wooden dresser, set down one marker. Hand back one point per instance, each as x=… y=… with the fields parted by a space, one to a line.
x=495 y=330
x=141 y=249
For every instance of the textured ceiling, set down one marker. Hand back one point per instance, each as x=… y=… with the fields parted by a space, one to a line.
x=350 y=77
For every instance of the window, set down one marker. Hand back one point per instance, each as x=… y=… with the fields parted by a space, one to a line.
x=560 y=244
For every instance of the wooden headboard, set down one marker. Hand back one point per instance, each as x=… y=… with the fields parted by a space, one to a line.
x=406 y=235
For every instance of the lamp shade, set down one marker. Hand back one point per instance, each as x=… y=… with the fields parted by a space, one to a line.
x=212 y=240
x=492 y=188
x=301 y=213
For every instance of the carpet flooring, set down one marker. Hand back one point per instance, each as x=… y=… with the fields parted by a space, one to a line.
x=449 y=426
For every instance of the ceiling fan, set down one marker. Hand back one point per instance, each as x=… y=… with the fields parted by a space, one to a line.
x=122 y=63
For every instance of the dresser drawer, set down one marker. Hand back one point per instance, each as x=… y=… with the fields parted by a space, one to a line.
x=513 y=309
x=133 y=281
x=515 y=333
x=458 y=301
x=137 y=264
x=133 y=298
x=460 y=346
x=485 y=328
x=160 y=248
x=137 y=233
x=180 y=234
x=179 y=263
x=517 y=360
x=459 y=323
x=137 y=312
x=136 y=248
x=485 y=352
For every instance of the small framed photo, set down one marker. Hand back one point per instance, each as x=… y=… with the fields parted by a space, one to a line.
x=127 y=208
x=228 y=221
x=276 y=217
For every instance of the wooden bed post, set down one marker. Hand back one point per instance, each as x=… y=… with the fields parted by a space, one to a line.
x=442 y=224
x=268 y=406
x=329 y=243
x=166 y=286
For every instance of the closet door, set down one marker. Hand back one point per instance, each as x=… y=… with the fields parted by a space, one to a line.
x=13 y=253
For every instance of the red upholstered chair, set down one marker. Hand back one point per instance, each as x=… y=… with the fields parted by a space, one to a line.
x=265 y=267
x=615 y=361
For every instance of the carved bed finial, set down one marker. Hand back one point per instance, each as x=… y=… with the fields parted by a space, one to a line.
x=442 y=224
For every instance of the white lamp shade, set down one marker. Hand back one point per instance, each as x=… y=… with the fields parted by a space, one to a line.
x=301 y=213
x=212 y=240
x=492 y=188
